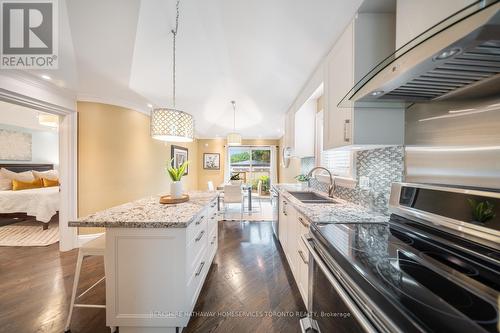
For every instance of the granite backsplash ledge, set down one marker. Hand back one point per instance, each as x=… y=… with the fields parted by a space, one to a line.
x=382 y=166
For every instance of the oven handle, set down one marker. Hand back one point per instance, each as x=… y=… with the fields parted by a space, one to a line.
x=360 y=317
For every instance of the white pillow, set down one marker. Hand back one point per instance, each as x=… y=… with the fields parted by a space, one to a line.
x=5 y=183
x=50 y=174
x=26 y=176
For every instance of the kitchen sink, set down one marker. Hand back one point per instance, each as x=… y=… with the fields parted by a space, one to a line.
x=311 y=197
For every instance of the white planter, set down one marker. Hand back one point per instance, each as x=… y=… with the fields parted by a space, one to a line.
x=176 y=189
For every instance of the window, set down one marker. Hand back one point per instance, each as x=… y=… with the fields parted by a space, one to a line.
x=251 y=164
x=339 y=162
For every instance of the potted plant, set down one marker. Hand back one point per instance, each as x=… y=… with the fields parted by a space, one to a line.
x=235 y=179
x=482 y=211
x=303 y=180
x=176 y=176
x=265 y=184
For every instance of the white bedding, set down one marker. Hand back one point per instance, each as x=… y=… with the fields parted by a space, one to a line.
x=42 y=203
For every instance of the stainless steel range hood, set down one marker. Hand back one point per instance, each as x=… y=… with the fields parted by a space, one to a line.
x=457 y=58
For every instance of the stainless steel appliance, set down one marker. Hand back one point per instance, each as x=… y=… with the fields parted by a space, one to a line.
x=456 y=58
x=435 y=267
x=275 y=210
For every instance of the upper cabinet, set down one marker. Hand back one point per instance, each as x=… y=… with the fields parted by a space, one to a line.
x=367 y=40
x=304 y=129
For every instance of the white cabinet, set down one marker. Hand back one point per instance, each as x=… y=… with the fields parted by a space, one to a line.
x=414 y=17
x=283 y=225
x=366 y=41
x=154 y=275
x=292 y=225
x=304 y=129
x=339 y=78
x=291 y=240
x=302 y=259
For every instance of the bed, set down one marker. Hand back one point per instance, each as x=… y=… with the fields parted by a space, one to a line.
x=41 y=203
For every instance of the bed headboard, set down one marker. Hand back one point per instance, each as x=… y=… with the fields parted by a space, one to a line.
x=27 y=167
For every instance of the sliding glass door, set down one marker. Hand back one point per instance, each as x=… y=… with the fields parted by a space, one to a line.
x=251 y=164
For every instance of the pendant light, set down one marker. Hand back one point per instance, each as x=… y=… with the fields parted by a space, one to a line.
x=234 y=139
x=170 y=124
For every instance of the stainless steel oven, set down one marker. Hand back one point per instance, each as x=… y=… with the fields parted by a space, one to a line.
x=331 y=306
x=275 y=210
x=433 y=267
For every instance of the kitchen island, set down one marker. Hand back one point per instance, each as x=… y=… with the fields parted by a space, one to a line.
x=156 y=260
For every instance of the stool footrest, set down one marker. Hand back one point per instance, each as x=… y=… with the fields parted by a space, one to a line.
x=101 y=306
x=92 y=286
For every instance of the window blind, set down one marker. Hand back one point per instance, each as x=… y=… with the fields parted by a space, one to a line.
x=339 y=162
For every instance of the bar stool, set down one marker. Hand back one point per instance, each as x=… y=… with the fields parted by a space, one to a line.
x=94 y=247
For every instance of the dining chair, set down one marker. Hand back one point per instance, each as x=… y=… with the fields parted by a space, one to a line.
x=259 y=193
x=233 y=194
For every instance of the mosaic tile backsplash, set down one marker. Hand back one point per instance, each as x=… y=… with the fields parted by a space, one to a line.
x=383 y=166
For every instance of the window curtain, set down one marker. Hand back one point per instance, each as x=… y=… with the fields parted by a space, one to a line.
x=227 y=174
x=274 y=165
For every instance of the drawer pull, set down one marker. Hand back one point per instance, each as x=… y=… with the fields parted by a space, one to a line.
x=213 y=240
x=304 y=223
x=198 y=272
x=213 y=205
x=301 y=254
x=200 y=220
x=200 y=235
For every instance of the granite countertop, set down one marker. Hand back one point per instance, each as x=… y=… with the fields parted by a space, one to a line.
x=342 y=211
x=149 y=213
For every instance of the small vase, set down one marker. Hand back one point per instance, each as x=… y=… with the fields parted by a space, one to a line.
x=176 y=189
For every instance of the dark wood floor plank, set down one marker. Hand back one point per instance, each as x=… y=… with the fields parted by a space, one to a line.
x=249 y=274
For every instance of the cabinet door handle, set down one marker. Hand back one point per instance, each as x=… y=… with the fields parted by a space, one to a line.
x=201 y=219
x=347 y=122
x=213 y=240
x=301 y=254
x=213 y=205
x=198 y=272
x=304 y=223
x=200 y=236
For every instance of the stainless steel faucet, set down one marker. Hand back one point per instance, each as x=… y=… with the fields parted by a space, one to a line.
x=331 y=187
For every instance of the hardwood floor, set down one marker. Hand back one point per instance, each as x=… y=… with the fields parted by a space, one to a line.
x=248 y=275
x=246 y=283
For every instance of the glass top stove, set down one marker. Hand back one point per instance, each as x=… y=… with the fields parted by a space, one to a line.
x=420 y=281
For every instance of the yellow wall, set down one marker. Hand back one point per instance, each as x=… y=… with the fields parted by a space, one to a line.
x=118 y=161
x=218 y=146
x=286 y=175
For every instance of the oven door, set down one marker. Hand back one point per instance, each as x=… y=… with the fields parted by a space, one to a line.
x=331 y=307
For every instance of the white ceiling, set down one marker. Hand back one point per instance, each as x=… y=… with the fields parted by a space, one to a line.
x=259 y=53
x=20 y=116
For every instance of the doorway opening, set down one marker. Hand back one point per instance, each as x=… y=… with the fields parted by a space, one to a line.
x=29 y=176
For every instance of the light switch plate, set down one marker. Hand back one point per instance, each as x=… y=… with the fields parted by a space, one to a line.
x=364 y=182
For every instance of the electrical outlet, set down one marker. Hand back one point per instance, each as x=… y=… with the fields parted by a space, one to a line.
x=364 y=183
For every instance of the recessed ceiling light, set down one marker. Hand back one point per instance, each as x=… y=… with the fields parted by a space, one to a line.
x=447 y=54
x=150 y=105
x=46 y=77
x=377 y=93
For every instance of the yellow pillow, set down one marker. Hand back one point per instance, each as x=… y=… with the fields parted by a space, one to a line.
x=50 y=182
x=18 y=185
